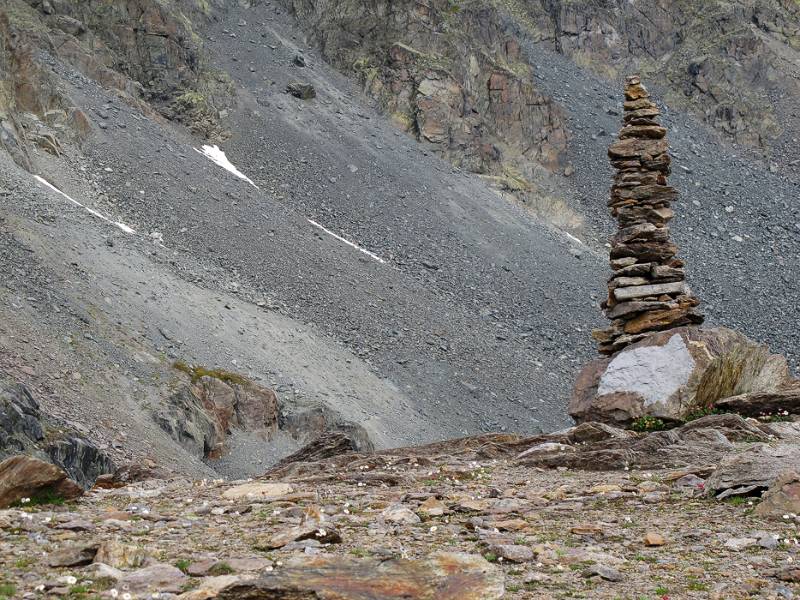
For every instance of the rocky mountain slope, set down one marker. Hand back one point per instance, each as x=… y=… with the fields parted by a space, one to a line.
x=455 y=144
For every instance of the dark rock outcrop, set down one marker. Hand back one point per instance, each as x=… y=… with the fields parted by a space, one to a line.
x=187 y=422
x=22 y=430
x=81 y=459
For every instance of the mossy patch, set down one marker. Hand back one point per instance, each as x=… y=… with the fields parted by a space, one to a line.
x=198 y=372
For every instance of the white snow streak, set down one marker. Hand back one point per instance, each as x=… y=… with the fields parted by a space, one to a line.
x=91 y=211
x=216 y=155
x=348 y=242
x=572 y=237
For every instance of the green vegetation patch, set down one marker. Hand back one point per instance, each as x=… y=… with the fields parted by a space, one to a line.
x=198 y=372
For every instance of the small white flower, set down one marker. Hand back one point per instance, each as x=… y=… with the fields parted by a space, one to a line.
x=70 y=580
x=39 y=588
x=114 y=593
x=433 y=529
x=126 y=596
x=24 y=500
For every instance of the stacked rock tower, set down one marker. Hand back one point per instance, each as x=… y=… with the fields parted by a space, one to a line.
x=647 y=291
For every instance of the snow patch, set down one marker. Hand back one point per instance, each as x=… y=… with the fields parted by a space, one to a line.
x=348 y=242
x=91 y=211
x=216 y=155
x=573 y=238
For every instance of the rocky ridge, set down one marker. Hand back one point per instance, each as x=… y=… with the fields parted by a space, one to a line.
x=483 y=517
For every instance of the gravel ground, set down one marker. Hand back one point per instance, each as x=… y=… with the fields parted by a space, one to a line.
x=633 y=535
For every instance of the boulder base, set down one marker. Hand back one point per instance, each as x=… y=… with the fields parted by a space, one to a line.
x=672 y=374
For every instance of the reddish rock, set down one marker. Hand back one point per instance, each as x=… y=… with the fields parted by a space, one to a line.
x=445 y=576
x=782 y=498
x=28 y=477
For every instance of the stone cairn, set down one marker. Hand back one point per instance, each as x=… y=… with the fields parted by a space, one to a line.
x=647 y=291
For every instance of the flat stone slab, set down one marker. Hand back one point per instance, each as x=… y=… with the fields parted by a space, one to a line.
x=444 y=576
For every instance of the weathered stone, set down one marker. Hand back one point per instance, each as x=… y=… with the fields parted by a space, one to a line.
x=442 y=575
x=28 y=477
x=655 y=132
x=782 y=497
x=637 y=148
x=652 y=538
x=258 y=491
x=154 y=578
x=755 y=468
x=626 y=309
x=642 y=291
x=310 y=529
x=397 y=513
x=303 y=91
x=512 y=552
x=763 y=403
x=73 y=556
x=673 y=373
x=120 y=556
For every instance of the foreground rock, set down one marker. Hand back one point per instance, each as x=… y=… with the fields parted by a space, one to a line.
x=755 y=469
x=673 y=374
x=782 y=498
x=22 y=426
x=444 y=575
x=25 y=479
x=489 y=516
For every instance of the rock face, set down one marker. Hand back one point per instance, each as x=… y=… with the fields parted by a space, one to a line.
x=200 y=415
x=725 y=65
x=19 y=420
x=28 y=477
x=457 y=83
x=22 y=431
x=186 y=421
x=443 y=575
x=647 y=291
x=672 y=374
x=81 y=459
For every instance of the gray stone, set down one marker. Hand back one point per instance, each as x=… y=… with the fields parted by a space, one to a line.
x=512 y=552
x=755 y=468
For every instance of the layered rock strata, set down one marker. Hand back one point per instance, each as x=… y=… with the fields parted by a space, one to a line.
x=647 y=291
